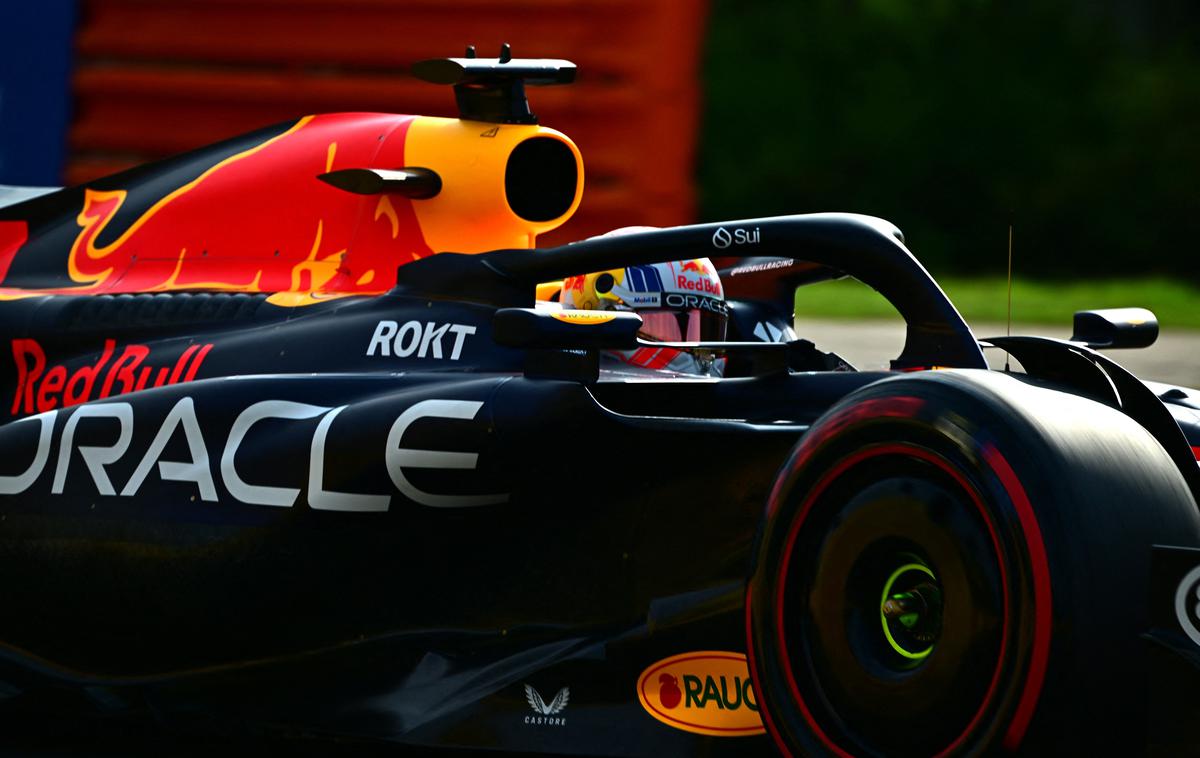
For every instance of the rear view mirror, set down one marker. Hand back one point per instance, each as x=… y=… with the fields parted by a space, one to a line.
x=1115 y=328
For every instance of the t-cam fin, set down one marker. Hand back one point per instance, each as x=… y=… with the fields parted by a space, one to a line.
x=493 y=89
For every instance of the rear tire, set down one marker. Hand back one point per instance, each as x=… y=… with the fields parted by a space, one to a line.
x=958 y=562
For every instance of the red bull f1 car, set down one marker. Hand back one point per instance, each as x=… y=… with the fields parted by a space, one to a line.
x=297 y=440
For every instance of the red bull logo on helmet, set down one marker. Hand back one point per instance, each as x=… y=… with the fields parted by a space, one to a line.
x=698 y=276
x=706 y=285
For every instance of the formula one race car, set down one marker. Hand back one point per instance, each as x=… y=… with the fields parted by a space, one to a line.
x=271 y=463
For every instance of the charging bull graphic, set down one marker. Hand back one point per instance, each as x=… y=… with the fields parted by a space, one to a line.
x=285 y=226
x=293 y=232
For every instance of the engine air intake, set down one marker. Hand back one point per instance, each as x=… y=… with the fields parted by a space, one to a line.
x=540 y=179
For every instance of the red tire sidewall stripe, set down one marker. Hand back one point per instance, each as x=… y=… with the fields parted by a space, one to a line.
x=789 y=545
x=1042 y=599
x=758 y=684
x=876 y=408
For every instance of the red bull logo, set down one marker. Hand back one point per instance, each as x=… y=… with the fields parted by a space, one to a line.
x=706 y=692
x=697 y=276
x=706 y=285
x=42 y=387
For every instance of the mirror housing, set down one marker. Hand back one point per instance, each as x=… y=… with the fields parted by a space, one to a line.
x=1115 y=328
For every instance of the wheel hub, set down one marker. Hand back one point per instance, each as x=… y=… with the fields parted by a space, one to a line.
x=911 y=610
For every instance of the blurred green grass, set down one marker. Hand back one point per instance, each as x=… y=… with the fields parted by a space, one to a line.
x=1075 y=122
x=1033 y=301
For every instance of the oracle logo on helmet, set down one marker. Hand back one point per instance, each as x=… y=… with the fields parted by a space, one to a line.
x=704 y=303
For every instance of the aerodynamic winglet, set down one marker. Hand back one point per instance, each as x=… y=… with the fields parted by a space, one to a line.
x=415 y=183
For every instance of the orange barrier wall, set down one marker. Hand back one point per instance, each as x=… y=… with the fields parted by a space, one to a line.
x=155 y=78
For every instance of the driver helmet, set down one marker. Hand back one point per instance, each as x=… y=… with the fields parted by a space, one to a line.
x=678 y=301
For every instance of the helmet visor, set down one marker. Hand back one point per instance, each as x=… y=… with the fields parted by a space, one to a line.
x=692 y=325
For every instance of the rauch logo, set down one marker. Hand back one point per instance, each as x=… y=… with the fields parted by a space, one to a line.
x=707 y=692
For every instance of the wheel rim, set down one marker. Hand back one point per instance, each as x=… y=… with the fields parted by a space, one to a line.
x=843 y=675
